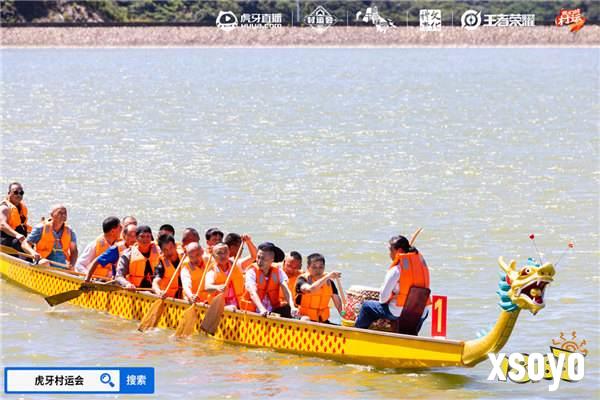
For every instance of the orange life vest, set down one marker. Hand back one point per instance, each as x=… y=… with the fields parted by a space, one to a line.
x=316 y=305
x=101 y=246
x=236 y=282
x=169 y=271
x=45 y=245
x=137 y=263
x=17 y=216
x=413 y=272
x=196 y=276
x=265 y=286
x=292 y=286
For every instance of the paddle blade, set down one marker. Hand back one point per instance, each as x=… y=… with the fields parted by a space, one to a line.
x=150 y=320
x=63 y=297
x=187 y=323
x=211 y=320
x=106 y=288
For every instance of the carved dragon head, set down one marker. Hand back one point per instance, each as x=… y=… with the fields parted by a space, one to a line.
x=524 y=287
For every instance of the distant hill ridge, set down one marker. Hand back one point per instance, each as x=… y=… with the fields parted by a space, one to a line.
x=205 y=12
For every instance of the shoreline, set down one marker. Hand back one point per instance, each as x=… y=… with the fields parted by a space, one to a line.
x=360 y=37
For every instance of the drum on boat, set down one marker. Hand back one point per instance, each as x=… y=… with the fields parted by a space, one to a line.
x=355 y=296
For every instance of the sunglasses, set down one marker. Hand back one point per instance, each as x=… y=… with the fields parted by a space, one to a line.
x=19 y=192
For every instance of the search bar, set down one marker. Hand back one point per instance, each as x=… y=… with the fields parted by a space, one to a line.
x=79 y=380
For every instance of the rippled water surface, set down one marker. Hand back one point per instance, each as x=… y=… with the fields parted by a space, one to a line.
x=317 y=150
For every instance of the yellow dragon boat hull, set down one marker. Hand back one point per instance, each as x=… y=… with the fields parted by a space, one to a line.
x=347 y=345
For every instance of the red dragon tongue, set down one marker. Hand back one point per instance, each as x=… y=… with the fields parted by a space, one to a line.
x=539 y=300
x=508 y=280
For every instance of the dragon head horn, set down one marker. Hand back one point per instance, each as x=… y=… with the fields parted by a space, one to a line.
x=507 y=268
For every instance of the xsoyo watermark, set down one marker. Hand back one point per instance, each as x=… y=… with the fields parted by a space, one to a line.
x=566 y=363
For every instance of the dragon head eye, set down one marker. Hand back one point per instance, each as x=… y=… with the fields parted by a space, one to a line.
x=525 y=271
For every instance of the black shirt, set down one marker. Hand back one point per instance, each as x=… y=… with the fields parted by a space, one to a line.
x=159 y=272
x=147 y=280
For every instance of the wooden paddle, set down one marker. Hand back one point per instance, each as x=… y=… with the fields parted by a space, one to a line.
x=215 y=311
x=61 y=267
x=86 y=287
x=150 y=320
x=83 y=288
x=64 y=267
x=190 y=316
x=414 y=236
x=12 y=251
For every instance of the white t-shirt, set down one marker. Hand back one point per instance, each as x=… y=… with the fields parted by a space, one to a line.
x=85 y=259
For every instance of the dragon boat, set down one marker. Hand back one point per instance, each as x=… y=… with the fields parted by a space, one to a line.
x=519 y=289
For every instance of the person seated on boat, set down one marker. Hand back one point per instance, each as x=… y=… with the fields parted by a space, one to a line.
x=189 y=235
x=167 y=229
x=112 y=229
x=137 y=264
x=315 y=289
x=212 y=236
x=292 y=266
x=263 y=283
x=166 y=268
x=192 y=271
x=217 y=275
x=234 y=241
x=112 y=254
x=408 y=269
x=54 y=240
x=129 y=220
x=13 y=221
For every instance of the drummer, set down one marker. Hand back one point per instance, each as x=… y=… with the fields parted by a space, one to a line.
x=408 y=269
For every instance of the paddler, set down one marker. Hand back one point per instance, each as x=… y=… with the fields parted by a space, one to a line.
x=166 y=268
x=167 y=229
x=234 y=241
x=315 y=289
x=212 y=236
x=189 y=235
x=263 y=283
x=112 y=254
x=13 y=221
x=136 y=264
x=292 y=266
x=129 y=220
x=54 y=239
x=111 y=228
x=191 y=274
x=217 y=275
x=408 y=269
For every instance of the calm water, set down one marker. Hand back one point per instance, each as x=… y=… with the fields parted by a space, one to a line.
x=317 y=150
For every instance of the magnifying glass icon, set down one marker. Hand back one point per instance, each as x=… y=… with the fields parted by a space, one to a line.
x=106 y=378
